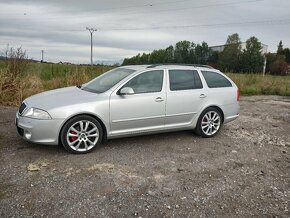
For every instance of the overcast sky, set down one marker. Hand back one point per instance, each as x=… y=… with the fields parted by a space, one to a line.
x=128 y=27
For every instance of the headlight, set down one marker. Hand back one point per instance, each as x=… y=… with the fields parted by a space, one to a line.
x=36 y=114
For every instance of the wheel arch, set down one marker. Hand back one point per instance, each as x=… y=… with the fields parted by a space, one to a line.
x=84 y=114
x=218 y=108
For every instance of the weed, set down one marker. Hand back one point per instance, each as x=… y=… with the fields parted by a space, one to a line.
x=256 y=84
x=46 y=76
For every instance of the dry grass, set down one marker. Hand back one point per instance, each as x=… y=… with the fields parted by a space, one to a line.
x=42 y=77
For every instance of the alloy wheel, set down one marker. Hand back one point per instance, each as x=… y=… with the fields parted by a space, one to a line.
x=82 y=136
x=210 y=123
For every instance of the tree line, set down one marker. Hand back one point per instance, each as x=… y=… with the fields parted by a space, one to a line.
x=235 y=57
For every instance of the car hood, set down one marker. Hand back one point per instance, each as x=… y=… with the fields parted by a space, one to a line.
x=60 y=97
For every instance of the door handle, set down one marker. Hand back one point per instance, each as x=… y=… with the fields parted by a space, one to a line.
x=159 y=99
x=202 y=96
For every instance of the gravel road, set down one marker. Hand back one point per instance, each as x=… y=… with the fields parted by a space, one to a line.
x=244 y=171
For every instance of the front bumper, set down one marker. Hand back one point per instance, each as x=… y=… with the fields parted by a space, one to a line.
x=38 y=131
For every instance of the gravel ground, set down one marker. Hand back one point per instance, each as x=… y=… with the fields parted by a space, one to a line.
x=244 y=171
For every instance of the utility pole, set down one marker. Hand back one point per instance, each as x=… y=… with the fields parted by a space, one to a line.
x=265 y=64
x=265 y=48
x=42 y=51
x=91 y=30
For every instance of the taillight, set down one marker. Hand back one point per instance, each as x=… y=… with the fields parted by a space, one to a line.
x=238 y=95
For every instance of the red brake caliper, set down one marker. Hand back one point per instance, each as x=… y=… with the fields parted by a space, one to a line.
x=73 y=138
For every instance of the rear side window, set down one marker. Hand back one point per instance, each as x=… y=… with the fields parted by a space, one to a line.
x=215 y=80
x=184 y=80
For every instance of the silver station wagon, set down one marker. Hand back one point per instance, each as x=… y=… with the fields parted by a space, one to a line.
x=127 y=101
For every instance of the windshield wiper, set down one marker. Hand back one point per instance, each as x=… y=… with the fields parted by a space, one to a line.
x=79 y=86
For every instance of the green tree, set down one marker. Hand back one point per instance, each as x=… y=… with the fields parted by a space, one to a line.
x=229 y=58
x=181 y=52
x=252 y=59
x=170 y=54
x=202 y=53
x=144 y=58
x=276 y=64
x=280 y=48
x=213 y=58
x=286 y=52
x=158 y=56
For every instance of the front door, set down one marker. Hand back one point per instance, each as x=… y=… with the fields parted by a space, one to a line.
x=142 y=111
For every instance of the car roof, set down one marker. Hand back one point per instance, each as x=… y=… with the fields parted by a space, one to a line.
x=169 y=66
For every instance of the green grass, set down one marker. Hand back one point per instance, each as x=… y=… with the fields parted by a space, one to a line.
x=39 y=77
x=256 y=84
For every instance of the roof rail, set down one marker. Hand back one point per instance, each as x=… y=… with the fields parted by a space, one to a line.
x=191 y=65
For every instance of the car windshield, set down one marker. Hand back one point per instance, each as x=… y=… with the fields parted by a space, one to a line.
x=107 y=80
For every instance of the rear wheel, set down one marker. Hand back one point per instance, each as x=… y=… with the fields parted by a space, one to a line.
x=81 y=134
x=209 y=123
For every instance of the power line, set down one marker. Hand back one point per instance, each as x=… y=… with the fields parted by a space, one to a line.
x=112 y=8
x=213 y=25
x=148 y=12
x=261 y=22
x=195 y=7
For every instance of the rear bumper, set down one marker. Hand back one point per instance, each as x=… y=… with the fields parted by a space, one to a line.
x=38 y=131
x=231 y=112
x=231 y=118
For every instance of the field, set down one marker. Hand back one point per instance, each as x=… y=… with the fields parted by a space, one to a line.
x=38 y=77
x=256 y=84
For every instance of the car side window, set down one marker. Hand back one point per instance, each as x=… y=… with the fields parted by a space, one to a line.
x=215 y=80
x=150 y=81
x=184 y=80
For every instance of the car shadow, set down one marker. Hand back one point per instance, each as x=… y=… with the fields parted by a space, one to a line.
x=157 y=138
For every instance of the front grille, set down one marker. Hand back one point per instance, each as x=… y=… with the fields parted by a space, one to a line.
x=22 y=108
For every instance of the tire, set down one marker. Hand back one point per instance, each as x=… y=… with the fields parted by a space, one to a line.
x=209 y=123
x=81 y=134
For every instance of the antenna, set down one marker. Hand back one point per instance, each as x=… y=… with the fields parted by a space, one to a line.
x=91 y=30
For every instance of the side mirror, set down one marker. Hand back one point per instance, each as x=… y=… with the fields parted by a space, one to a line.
x=127 y=91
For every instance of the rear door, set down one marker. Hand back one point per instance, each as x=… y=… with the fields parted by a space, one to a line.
x=222 y=92
x=185 y=97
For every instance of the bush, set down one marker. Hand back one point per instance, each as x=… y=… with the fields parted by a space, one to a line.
x=16 y=61
x=256 y=84
x=39 y=77
x=14 y=66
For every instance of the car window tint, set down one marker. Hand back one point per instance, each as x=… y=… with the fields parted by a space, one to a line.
x=107 y=80
x=215 y=80
x=150 y=81
x=184 y=80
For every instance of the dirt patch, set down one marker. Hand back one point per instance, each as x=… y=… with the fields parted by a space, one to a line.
x=244 y=171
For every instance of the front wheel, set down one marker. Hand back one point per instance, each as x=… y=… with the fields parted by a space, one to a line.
x=81 y=134
x=209 y=123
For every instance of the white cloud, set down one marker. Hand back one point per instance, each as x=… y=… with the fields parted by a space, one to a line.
x=58 y=27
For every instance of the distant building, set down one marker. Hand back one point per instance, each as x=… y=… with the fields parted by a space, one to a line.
x=220 y=48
